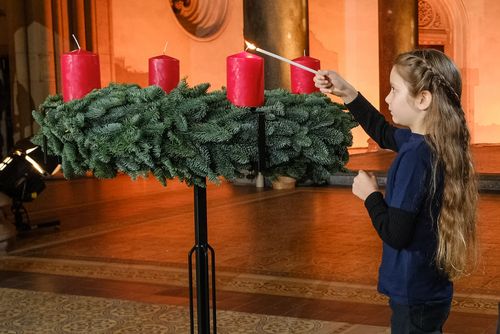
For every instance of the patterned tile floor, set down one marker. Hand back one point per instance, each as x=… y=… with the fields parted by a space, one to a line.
x=308 y=253
x=23 y=311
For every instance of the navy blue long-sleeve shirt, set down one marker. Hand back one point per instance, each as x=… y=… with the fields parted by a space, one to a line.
x=406 y=218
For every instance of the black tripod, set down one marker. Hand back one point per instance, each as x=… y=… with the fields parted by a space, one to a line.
x=21 y=217
x=22 y=220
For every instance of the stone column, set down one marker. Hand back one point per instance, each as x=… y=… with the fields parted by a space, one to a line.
x=281 y=27
x=102 y=37
x=19 y=69
x=398 y=32
x=77 y=22
x=63 y=40
x=91 y=22
x=38 y=32
x=40 y=41
x=31 y=55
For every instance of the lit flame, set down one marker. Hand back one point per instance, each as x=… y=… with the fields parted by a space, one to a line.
x=250 y=46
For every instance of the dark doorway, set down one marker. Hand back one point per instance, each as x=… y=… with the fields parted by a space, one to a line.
x=432 y=46
x=6 y=134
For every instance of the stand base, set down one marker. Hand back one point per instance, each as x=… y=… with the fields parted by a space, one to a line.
x=259 y=181
x=24 y=227
x=22 y=219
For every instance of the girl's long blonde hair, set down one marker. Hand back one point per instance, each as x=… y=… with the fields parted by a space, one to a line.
x=449 y=139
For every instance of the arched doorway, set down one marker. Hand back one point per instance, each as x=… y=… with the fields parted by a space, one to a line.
x=442 y=24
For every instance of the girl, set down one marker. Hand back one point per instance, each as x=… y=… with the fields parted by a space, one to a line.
x=427 y=218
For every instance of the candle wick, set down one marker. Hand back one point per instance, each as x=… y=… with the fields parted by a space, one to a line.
x=77 y=44
x=165 y=48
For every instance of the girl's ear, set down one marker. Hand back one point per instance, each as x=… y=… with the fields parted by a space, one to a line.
x=423 y=100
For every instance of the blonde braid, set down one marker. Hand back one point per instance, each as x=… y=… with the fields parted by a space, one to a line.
x=445 y=84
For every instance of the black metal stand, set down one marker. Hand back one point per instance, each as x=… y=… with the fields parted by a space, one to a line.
x=202 y=250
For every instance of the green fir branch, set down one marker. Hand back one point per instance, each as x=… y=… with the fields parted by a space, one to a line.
x=192 y=134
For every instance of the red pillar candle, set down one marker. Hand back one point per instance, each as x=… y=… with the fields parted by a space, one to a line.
x=301 y=80
x=245 y=79
x=80 y=74
x=164 y=72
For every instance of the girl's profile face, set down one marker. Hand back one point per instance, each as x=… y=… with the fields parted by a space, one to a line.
x=401 y=103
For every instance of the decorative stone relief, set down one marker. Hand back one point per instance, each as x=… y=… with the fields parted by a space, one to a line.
x=425 y=13
x=428 y=17
x=200 y=18
x=437 y=21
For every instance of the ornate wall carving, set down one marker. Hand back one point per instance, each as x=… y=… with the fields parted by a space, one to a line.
x=200 y=18
x=433 y=25
x=428 y=17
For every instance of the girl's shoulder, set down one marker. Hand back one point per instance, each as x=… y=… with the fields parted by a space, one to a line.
x=416 y=150
x=405 y=136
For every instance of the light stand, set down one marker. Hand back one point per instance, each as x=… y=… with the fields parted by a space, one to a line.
x=21 y=178
x=22 y=220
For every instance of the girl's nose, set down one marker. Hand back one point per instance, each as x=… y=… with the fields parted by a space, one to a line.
x=388 y=97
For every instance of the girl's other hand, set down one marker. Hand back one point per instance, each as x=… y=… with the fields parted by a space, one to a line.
x=364 y=184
